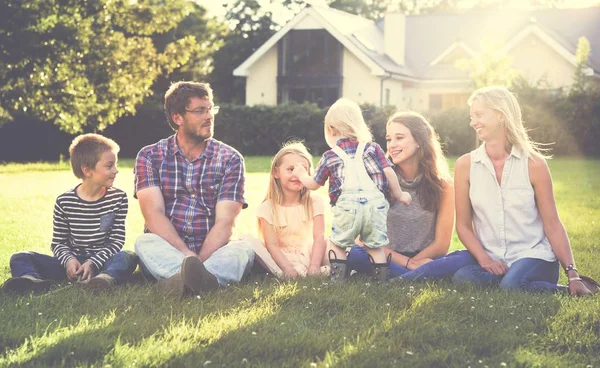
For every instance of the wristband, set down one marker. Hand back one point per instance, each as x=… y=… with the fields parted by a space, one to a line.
x=573 y=279
x=570 y=267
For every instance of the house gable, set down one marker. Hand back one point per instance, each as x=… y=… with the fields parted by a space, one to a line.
x=308 y=18
x=542 y=36
x=455 y=52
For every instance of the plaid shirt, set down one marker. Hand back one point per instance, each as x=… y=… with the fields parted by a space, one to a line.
x=332 y=166
x=191 y=190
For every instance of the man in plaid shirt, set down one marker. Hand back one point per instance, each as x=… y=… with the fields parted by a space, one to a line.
x=190 y=187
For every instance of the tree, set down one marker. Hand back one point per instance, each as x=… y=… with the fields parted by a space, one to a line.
x=250 y=26
x=82 y=64
x=371 y=9
x=582 y=71
x=492 y=65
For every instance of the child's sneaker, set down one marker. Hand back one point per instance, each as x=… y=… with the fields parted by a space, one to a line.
x=102 y=282
x=26 y=284
x=338 y=270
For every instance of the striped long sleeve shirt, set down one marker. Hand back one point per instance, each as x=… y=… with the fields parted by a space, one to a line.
x=95 y=230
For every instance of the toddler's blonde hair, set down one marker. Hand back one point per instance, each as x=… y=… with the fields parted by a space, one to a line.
x=345 y=118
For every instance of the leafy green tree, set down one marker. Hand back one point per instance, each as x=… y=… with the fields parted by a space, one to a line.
x=82 y=64
x=492 y=65
x=250 y=26
x=582 y=71
x=371 y=9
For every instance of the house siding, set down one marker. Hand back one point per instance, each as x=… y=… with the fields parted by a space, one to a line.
x=535 y=60
x=359 y=84
x=261 y=83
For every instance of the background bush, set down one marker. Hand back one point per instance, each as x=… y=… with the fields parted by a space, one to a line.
x=570 y=124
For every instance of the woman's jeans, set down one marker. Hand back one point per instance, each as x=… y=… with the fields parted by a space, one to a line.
x=445 y=266
x=527 y=274
x=45 y=267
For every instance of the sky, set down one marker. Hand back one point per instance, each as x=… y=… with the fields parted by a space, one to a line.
x=215 y=7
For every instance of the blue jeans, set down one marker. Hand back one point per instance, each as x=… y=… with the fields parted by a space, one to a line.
x=45 y=267
x=526 y=274
x=444 y=266
x=160 y=260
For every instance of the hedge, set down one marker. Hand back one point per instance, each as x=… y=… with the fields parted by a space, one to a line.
x=571 y=123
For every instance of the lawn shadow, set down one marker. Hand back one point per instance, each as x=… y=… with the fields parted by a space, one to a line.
x=90 y=326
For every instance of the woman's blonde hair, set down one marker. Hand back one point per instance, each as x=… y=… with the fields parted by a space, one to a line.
x=275 y=192
x=432 y=162
x=499 y=98
x=345 y=118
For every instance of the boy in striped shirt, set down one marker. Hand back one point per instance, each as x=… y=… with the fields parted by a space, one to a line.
x=89 y=227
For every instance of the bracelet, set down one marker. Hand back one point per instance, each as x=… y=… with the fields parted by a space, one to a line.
x=573 y=279
x=570 y=267
x=409 y=258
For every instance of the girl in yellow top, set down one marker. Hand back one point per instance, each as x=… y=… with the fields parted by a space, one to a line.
x=291 y=221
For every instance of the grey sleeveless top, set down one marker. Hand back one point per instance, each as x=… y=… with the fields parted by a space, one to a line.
x=410 y=228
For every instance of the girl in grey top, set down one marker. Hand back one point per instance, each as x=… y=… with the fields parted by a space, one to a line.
x=420 y=233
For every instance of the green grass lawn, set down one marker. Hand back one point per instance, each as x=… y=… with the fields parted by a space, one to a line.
x=266 y=322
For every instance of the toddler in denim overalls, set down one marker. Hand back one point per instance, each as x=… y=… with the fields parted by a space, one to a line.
x=356 y=188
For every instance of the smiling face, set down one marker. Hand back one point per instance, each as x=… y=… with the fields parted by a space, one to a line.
x=401 y=145
x=193 y=124
x=283 y=172
x=487 y=122
x=105 y=171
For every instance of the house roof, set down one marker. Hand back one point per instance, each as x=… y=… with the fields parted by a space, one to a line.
x=429 y=36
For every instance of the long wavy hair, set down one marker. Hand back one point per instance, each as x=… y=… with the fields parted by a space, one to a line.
x=275 y=191
x=432 y=162
x=502 y=100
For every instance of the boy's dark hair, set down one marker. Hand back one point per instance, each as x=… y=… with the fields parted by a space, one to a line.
x=179 y=94
x=86 y=149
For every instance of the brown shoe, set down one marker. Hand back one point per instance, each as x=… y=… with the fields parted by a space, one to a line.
x=196 y=277
x=26 y=284
x=102 y=282
x=590 y=283
x=172 y=286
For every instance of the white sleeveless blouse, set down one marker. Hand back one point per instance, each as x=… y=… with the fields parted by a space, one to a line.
x=505 y=217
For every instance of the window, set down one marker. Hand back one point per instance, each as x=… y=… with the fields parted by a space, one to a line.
x=309 y=67
x=435 y=102
x=438 y=101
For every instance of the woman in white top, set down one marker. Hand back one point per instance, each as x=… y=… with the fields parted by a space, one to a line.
x=505 y=210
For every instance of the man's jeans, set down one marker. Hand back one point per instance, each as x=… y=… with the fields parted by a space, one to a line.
x=45 y=267
x=527 y=274
x=160 y=260
x=445 y=266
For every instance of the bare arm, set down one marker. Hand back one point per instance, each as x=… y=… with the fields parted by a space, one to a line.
x=220 y=233
x=444 y=226
x=152 y=205
x=272 y=245
x=464 y=218
x=319 y=245
x=394 y=185
x=304 y=178
x=554 y=229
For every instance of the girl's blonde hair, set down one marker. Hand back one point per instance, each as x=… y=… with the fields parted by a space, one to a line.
x=502 y=100
x=275 y=192
x=345 y=118
x=432 y=162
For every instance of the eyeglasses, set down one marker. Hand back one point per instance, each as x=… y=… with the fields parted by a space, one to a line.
x=201 y=111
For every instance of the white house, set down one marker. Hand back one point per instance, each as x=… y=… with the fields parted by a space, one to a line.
x=409 y=61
